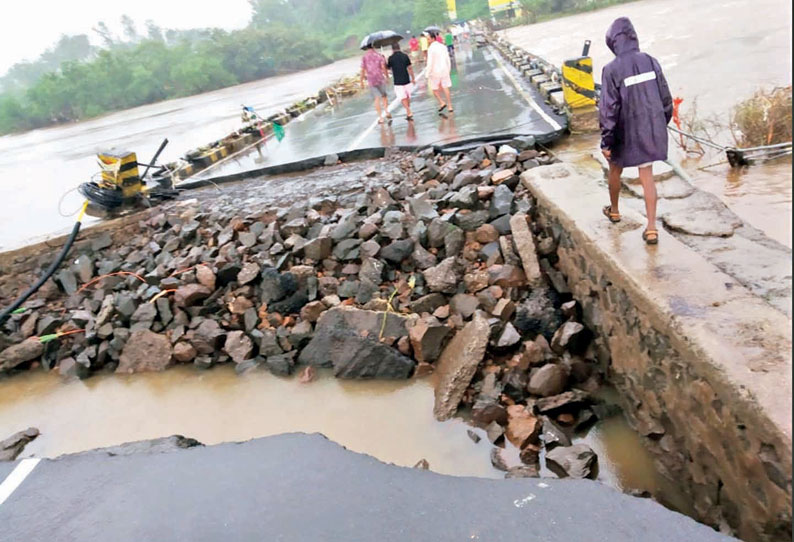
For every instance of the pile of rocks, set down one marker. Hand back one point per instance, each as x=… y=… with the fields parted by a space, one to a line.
x=432 y=266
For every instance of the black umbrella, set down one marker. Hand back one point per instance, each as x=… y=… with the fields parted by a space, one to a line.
x=433 y=30
x=381 y=39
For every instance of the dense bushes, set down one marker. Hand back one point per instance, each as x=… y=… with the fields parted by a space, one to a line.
x=153 y=70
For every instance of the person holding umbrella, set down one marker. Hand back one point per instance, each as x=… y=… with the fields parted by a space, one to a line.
x=438 y=68
x=373 y=71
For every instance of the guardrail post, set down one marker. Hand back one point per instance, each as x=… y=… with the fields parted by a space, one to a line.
x=579 y=92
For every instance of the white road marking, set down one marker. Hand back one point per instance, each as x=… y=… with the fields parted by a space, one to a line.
x=551 y=122
x=392 y=107
x=521 y=503
x=16 y=477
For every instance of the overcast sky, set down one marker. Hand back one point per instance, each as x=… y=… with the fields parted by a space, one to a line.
x=28 y=27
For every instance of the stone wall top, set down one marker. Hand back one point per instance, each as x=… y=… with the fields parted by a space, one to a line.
x=738 y=339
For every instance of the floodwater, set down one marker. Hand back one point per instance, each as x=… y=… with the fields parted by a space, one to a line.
x=37 y=168
x=715 y=52
x=390 y=420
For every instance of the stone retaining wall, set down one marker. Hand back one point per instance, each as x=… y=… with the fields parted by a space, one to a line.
x=710 y=429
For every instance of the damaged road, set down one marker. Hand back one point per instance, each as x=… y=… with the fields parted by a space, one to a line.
x=305 y=487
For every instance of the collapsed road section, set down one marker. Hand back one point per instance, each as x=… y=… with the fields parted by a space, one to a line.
x=305 y=487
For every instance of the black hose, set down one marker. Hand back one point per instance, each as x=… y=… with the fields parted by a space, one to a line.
x=53 y=267
x=108 y=199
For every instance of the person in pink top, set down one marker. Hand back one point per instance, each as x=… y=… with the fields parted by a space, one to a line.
x=375 y=73
x=438 y=68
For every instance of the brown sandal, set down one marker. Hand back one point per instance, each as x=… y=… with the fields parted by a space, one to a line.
x=651 y=237
x=613 y=217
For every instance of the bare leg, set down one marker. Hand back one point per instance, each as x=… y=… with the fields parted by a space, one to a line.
x=377 y=107
x=385 y=101
x=614 y=186
x=649 y=191
x=407 y=105
x=449 y=98
x=437 y=94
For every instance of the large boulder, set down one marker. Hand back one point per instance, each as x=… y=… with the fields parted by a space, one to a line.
x=347 y=339
x=19 y=353
x=457 y=365
x=145 y=351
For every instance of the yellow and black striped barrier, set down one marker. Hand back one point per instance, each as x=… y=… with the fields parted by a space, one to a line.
x=577 y=82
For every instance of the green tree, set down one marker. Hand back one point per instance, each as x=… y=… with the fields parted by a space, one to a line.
x=429 y=12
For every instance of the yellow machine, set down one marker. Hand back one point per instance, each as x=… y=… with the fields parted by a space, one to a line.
x=120 y=172
x=121 y=185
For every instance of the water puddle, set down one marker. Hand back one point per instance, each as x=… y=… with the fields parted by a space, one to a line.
x=392 y=421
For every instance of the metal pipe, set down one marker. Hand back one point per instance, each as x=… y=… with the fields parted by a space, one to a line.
x=154 y=158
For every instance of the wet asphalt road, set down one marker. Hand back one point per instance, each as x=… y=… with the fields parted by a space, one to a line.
x=485 y=99
x=298 y=487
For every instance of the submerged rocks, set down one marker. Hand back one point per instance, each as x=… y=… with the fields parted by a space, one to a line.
x=576 y=461
x=522 y=427
x=12 y=446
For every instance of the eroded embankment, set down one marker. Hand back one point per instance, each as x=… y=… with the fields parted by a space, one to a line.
x=254 y=279
x=703 y=364
x=248 y=279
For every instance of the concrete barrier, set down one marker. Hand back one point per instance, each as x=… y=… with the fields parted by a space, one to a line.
x=703 y=365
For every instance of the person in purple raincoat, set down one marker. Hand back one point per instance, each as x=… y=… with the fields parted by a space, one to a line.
x=634 y=110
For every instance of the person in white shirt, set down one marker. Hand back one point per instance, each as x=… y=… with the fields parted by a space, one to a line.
x=438 y=68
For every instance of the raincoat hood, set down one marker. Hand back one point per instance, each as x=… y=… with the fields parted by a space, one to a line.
x=621 y=37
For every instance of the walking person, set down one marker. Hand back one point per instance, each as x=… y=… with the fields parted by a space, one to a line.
x=413 y=46
x=634 y=111
x=403 y=76
x=424 y=43
x=374 y=72
x=449 y=41
x=438 y=79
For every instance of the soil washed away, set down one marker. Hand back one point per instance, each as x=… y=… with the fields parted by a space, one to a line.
x=392 y=421
x=414 y=265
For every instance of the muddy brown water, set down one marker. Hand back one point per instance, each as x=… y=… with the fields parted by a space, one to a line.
x=390 y=420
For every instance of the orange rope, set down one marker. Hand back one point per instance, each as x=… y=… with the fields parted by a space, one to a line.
x=187 y=269
x=161 y=294
x=65 y=333
x=94 y=281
